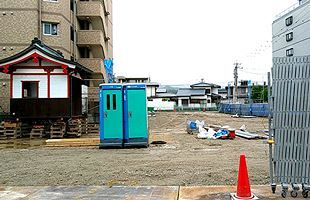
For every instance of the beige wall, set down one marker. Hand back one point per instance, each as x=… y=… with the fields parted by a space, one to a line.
x=18 y=27
x=61 y=41
x=17 y=30
x=110 y=29
x=58 y=12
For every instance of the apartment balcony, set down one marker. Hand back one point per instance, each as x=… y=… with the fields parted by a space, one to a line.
x=95 y=64
x=95 y=12
x=93 y=39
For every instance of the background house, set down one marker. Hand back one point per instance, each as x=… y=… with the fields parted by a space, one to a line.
x=248 y=92
x=151 y=87
x=223 y=93
x=199 y=95
x=244 y=92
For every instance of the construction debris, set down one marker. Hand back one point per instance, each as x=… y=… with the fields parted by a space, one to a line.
x=242 y=116
x=211 y=132
x=248 y=135
x=193 y=126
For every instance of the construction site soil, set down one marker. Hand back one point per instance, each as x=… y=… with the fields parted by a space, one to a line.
x=183 y=160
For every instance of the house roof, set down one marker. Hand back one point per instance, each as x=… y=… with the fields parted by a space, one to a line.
x=38 y=47
x=222 y=90
x=203 y=85
x=161 y=90
x=188 y=92
x=152 y=84
x=165 y=95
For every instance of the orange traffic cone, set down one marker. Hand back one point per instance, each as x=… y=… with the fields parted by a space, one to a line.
x=243 y=188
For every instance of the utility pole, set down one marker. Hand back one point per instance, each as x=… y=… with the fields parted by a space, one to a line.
x=235 y=95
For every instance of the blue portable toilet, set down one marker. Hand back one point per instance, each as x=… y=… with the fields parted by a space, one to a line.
x=111 y=115
x=135 y=115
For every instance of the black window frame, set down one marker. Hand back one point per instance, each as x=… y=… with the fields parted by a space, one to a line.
x=108 y=102
x=289 y=36
x=290 y=52
x=51 y=25
x=289 y=21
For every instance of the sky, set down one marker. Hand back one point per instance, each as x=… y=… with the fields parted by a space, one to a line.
x=181 y=42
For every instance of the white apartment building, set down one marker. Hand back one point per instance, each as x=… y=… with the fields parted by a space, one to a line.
x=291 y=31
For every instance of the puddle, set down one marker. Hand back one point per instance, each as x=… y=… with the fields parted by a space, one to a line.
x=23 y=143
x=158 y=142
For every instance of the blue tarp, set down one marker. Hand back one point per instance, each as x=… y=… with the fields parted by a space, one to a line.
x=255 y=109
x=108 y=63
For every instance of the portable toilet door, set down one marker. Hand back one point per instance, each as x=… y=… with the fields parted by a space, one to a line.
x=135 y=115
x=111 y=115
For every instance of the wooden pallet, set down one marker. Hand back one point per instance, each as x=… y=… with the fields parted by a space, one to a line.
x=83 y=126
x=37 y=131
x=74 y=128
x=12 y=132
x=25 y=129
x=2 y=136
x=12 y=129
x=92 y=128
x=58 y=130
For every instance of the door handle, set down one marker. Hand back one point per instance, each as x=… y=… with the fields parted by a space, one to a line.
x=105 y=115
x=129 y=114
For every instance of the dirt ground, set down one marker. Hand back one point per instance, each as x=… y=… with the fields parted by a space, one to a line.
x=184 y=160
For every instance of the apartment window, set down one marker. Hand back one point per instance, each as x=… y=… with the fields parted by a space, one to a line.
x=289 y=36
x=50 y=28
x=84 y=52
x=208 y=91
x=289 y=21
x=30 y=89
x=290 y=52
x=84 y=25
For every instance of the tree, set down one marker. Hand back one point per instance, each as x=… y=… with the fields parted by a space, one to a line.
x=259 y=93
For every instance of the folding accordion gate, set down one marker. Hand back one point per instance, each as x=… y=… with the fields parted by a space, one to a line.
x=289 y=125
